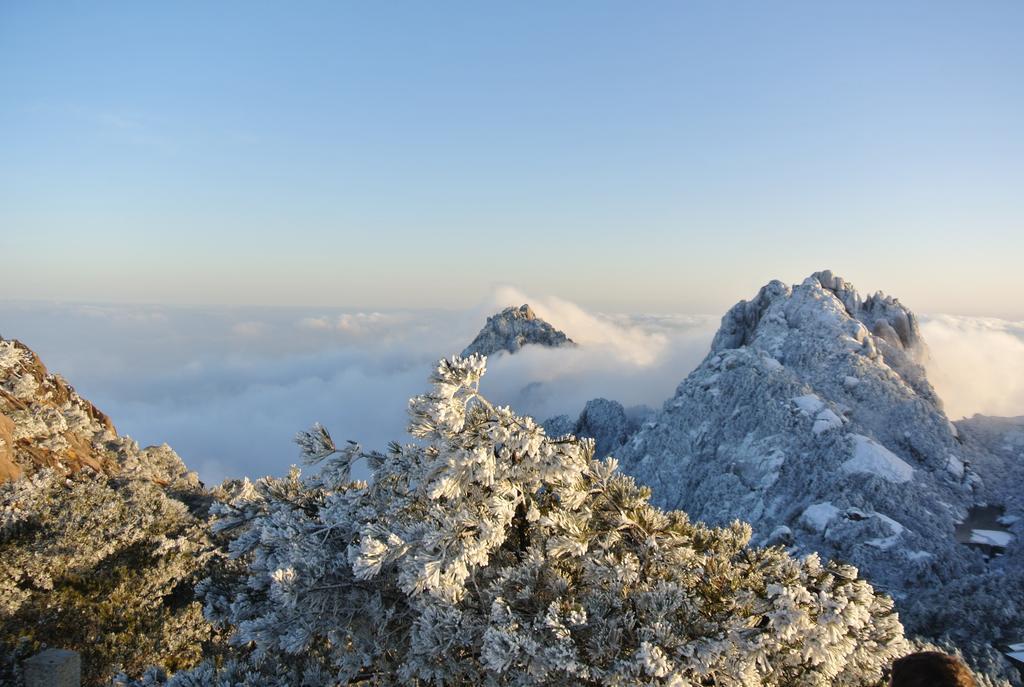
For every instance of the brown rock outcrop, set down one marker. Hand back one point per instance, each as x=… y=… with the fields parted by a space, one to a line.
x=44 y=423
x=8 y=468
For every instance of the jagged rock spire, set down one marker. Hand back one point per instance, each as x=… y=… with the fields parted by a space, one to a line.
x=513 y=328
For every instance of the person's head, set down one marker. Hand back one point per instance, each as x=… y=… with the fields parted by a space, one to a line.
x=930 y=669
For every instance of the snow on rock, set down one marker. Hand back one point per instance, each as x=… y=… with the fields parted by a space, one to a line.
x=872 y=458
x=826 y=420
x=780 y=535
x=955 y=466
x=817 y=516
x=809 y=403
x=996 y=538
x=894 y=528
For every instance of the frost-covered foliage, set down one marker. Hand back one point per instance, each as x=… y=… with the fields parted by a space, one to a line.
x=487 y=553
x=105 y=567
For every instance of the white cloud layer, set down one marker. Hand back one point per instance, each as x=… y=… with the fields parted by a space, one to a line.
x=617 y=337
x=228 y=388
x=977 y=364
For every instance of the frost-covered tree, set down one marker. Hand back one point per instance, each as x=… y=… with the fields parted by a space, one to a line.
x=106 y=567
x=488 y=553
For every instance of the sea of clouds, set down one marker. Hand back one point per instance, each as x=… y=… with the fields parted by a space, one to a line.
x=228 y=388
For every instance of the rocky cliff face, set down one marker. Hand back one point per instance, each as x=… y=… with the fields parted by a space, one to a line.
x=44 y=423
x=513 y=328
x=812 y=418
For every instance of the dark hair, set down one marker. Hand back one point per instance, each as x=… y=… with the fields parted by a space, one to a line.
x=931 y=669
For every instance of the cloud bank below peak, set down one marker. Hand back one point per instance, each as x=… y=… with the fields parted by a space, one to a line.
x=228 y=388
x=621 y=337
x=977 y=364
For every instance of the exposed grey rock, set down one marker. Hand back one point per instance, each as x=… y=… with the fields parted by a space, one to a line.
x=607 y=422
x=559 y=426
x=53 y=668
x=513 y=328
x=812 y=418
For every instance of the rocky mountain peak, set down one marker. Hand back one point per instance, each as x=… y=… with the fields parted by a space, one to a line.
x=883 y=315
x=813 y=419
x=827 y=314
x=513 y=328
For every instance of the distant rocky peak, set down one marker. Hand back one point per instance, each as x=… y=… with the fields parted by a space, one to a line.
x=513 y=328
x=607 y=422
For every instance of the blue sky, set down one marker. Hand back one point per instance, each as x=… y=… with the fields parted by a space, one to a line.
x=626 y=156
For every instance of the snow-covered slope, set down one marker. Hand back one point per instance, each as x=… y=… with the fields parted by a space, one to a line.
x=1000 y=435
x=812 y=419
x=513 y=328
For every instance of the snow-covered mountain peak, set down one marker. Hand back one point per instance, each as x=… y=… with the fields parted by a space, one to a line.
x=513 y=328
x=813 y=419
x=825 y=317
x=826 y=303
